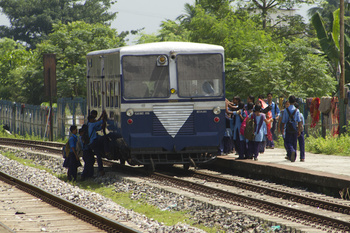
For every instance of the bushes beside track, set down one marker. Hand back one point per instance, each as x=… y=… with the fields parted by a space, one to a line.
x=330 y=145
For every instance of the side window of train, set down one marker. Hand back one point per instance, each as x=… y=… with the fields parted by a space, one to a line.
x=91 y=94
x=108 y=94
x=94 y=93
x=111 y=94
x=116 y=94
x=99 y=100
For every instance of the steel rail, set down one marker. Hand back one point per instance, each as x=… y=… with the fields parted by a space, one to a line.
x=326 y=205
x=82 y=213
x=52 y=147
x=261 y=204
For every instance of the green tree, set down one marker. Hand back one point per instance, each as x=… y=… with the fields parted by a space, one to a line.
x=32 y=20
x=15 y=61
x=329 y=42
x=256 y=62
x=71 y=43
x=170 y=31
x=267 y=7
x=305 y=72
x=295 y=69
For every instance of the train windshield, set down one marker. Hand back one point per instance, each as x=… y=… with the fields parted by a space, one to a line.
x=144 y=78
x=200 y=75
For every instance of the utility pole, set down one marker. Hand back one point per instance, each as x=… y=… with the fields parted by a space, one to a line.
x=50 y=85
x=342 y=118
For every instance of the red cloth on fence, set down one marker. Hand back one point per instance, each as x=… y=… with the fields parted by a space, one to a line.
x=314 y=112
x=335 y=115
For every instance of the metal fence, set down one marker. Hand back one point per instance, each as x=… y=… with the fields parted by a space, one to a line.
x=24 y=119
x=327 y=124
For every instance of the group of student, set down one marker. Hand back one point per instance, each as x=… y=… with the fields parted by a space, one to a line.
x=268 y=119
x=86 y=145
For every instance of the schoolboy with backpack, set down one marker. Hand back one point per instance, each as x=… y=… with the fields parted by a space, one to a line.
x=72 y=161
x=291 y=119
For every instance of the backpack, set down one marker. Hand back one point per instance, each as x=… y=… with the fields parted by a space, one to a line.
x=66 y=150
x=290 y=124
x=244 y=124
x=249 y=131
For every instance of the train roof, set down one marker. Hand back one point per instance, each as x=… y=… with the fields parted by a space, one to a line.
x=161 y=47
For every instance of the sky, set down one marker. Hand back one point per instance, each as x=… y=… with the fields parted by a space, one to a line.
x=147 y=14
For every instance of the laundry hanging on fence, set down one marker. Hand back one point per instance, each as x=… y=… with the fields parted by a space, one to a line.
x=314 y=111
x=325 y=104
x=335 y=116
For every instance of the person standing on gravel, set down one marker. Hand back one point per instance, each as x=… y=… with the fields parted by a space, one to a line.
x=291 y=119
x=72 y=162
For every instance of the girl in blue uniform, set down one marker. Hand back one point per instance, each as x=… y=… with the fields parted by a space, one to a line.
x=260 y=132
x=239 y=139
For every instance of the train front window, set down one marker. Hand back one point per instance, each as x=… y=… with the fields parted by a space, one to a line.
x=200 y=75
x=144 y=77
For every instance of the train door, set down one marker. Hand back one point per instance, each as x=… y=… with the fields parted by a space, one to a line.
x=94 y=84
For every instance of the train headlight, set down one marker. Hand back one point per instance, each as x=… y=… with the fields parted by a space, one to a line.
x=172 y=91
x=216 y=110
x=129 y=112
x=162 y=60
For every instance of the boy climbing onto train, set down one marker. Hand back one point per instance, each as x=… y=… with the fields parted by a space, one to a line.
x=96 y=141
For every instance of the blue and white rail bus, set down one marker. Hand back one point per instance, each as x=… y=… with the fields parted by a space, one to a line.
x=166 y=100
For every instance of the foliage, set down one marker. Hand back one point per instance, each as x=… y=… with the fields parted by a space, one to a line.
x=305 y=72
x=71 y=42
x=19 y=73
x=257 y=61
x=329 y=42
x=266 y=7
x=27 y=162
x=170 y=31
x=329 y=145
x=32 y=20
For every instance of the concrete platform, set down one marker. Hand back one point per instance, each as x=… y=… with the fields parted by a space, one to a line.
x=319 y=171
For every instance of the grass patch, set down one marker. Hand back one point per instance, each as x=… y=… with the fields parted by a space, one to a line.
x=5 y=134
x=26 y=162
x=329 y=145
x=167 y=217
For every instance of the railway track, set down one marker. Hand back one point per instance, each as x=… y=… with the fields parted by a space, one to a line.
x=311 y=210
x=22 y=212
x=99 y=223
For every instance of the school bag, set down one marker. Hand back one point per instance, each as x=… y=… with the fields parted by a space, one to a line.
x=249 y=132
x=66 y=147
x=290 y=124
x=65 y=150
x=244 y=124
